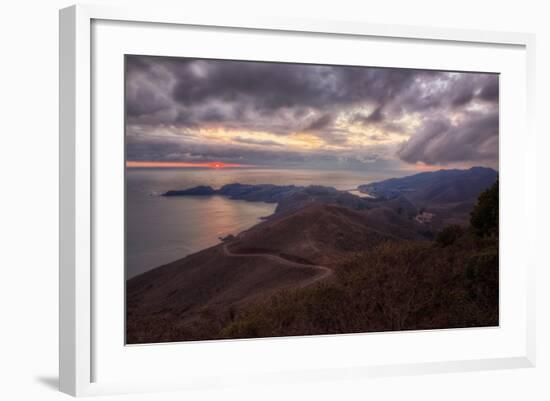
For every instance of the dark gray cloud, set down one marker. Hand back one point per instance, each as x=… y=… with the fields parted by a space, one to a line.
x=377 y=116
x=441 y=142
x=490 y=91
x=453 y=113
x=252 y=141
x=325 y=121
x=210 y=91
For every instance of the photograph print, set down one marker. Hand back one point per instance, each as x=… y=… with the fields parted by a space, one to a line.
x=268 y=199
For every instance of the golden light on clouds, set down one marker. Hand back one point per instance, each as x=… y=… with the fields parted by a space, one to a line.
x=306 y=140
x=296 y=141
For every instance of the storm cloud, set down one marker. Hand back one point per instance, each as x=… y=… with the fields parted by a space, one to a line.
x=265 y=113
x=440 y=141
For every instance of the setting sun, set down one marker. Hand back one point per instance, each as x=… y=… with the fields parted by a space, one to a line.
x=158 y=164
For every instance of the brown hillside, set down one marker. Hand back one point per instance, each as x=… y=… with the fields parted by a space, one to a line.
x=322 y=233
x=166 y=302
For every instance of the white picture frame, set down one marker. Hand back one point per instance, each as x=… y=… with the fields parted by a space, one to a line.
x=78 y=155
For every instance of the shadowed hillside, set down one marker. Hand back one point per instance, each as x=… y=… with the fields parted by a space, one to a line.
x=323 y=233
x=173 y=302
x=437 y=187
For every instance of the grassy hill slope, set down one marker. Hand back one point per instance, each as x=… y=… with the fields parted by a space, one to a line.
x=408 y=285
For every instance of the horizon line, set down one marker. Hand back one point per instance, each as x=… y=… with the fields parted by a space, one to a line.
x=168 y=164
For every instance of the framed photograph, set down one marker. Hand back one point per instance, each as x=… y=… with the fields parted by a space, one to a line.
x=270 y=200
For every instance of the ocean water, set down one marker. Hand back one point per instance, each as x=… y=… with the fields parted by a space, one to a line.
x=161 y=229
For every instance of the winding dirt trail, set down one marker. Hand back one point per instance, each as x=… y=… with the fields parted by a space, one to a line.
x=324 y=271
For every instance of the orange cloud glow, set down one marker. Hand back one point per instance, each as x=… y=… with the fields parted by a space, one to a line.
x=153 y=164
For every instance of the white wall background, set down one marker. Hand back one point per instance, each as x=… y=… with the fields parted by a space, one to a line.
x=29 y=196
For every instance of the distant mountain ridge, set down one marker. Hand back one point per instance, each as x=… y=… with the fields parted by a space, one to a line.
x=411 y=193
x=435 y=187
x=254 y=193
x=288 y=197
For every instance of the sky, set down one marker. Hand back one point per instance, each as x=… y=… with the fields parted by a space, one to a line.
x=200 y=112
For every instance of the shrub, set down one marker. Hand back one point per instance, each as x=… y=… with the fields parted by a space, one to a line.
x=484 y=217
x=449 y=235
